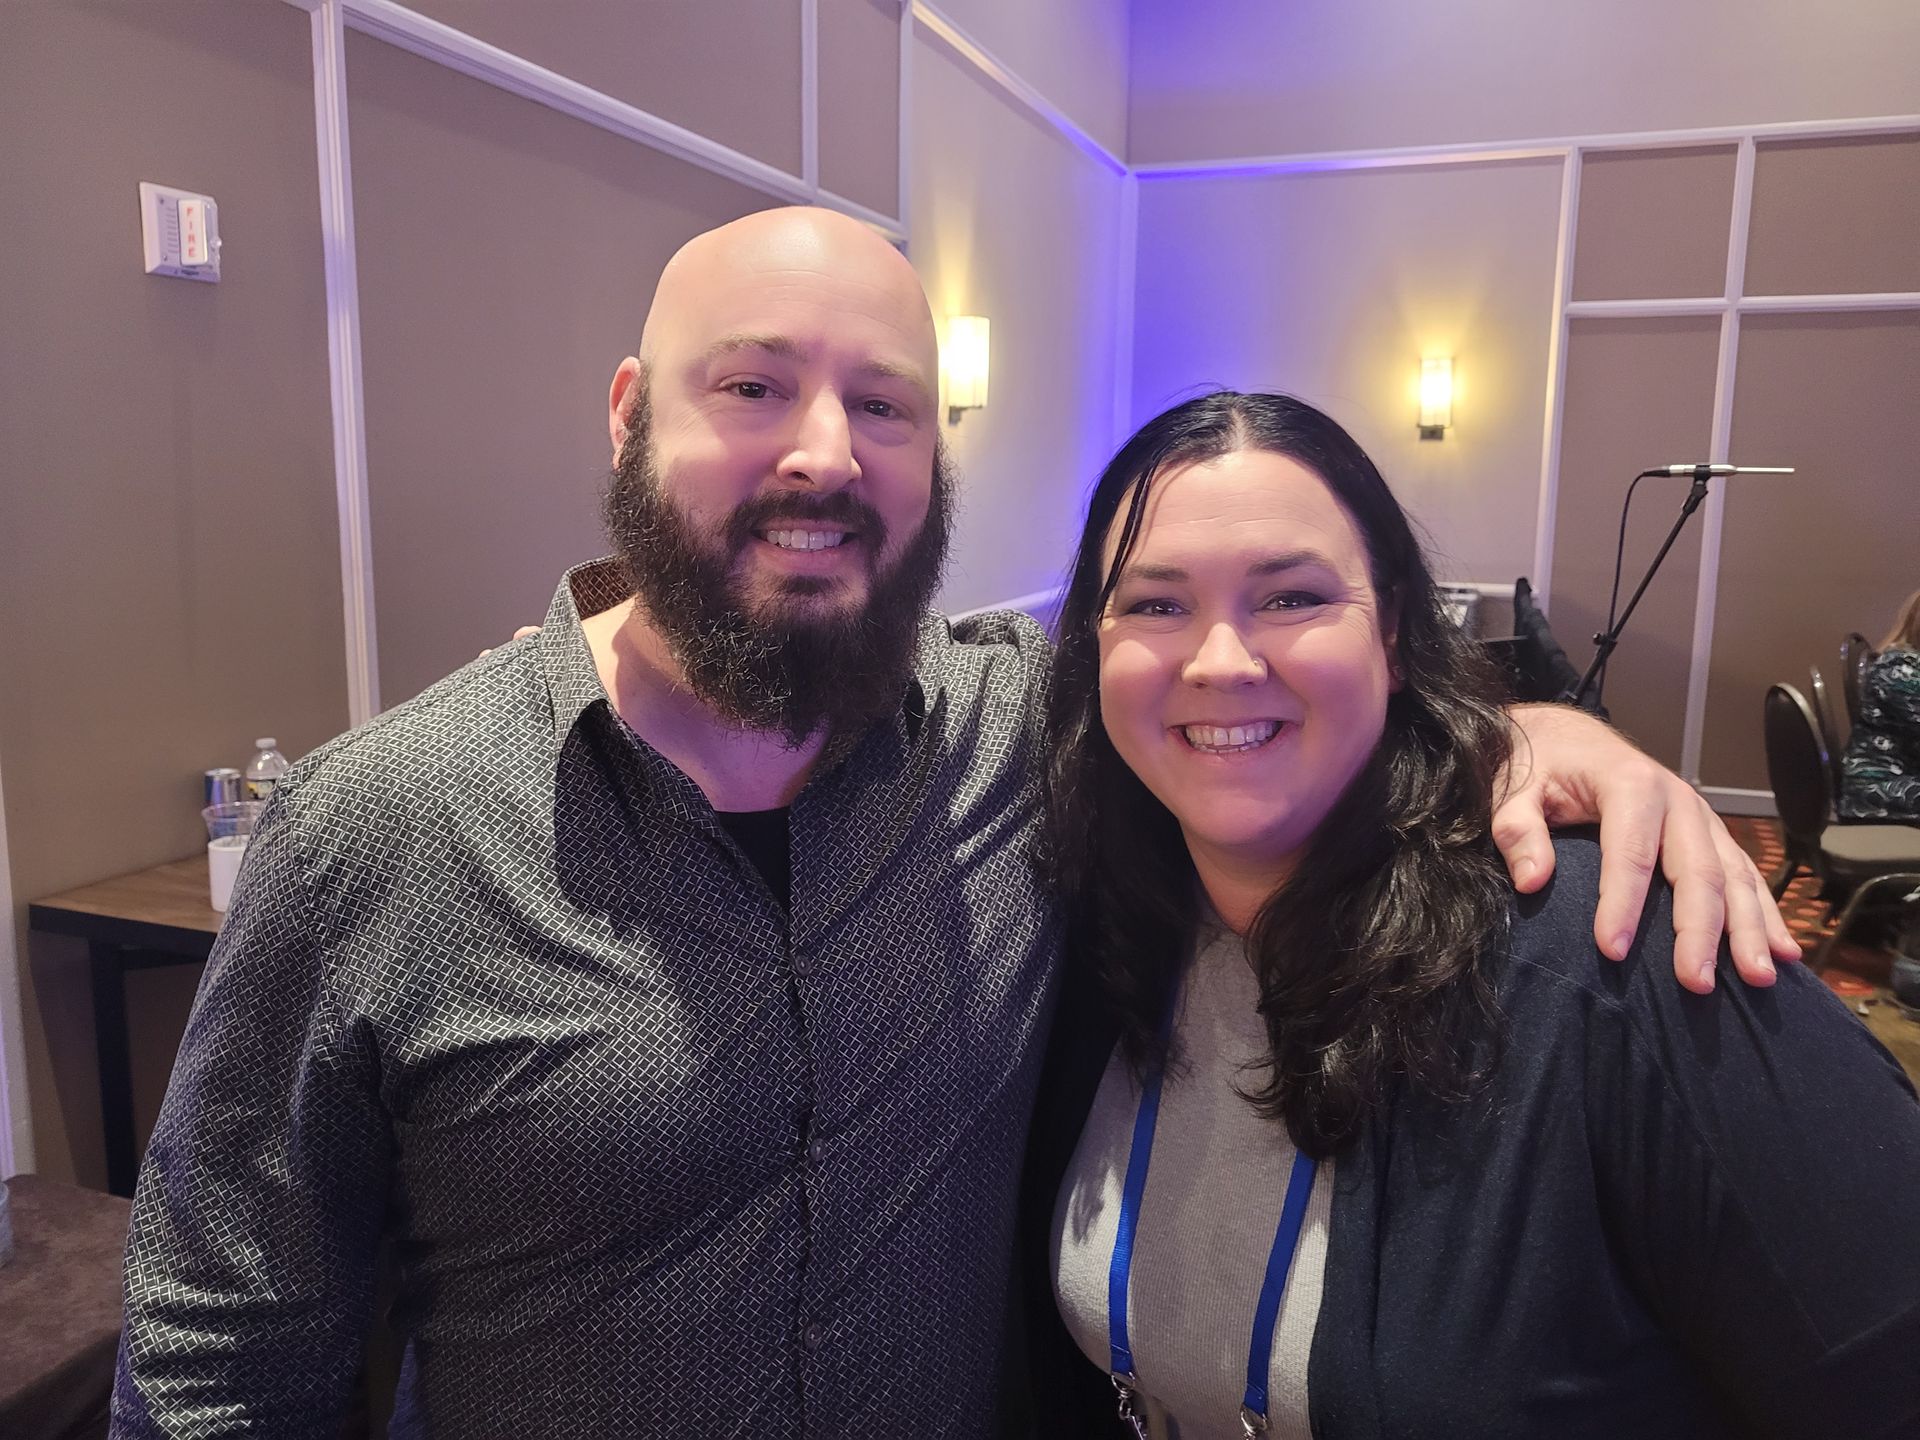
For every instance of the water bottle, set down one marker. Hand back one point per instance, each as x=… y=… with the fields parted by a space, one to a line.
x=265 y=769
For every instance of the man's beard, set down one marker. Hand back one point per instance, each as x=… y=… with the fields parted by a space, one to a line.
x=792 y=662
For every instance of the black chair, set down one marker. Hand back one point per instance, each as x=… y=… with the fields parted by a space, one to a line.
x=1855 y=656
x=1832 y=737
x=1539 y=666
x=1872 y=865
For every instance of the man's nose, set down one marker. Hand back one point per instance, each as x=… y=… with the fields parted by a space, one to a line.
x=821 y=454
x=1224 y=659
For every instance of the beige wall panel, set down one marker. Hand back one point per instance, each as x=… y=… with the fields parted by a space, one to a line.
x=860 y=101
x=1013 y=222
x=169 y=548
x=1333 y=286
x=1653 y=223
x=1836 y=216
x=1639 y=393
x=490 y=341
x=1834 y=548
x=1074 y=52
x=1251 y=77
x=726 y=69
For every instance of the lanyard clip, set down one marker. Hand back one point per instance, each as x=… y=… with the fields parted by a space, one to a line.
x=1133 y=1410
x=1252 y=1423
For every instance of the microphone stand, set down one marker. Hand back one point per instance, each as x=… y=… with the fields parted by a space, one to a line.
x=1604 y=643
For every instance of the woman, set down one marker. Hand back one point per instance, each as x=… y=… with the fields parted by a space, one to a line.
x=1880 y=775
x=1319 y=1056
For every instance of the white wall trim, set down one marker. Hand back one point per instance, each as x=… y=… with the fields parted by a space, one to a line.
x=967 y=48
x=1126 y=302
x=457 y=50
x=343 y=361
x=1412 y=157
x=810 y=93
x=1640 y=309
x=16 y=1130
x=1549 y=495
x=1727 y=800
x=1808 y=304
x=1479 y=152
x=1751 y=304
x=903 y=193
x=1019 y=602
x=1707 y=583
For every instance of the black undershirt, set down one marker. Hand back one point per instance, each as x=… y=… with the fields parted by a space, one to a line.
x=762 y=834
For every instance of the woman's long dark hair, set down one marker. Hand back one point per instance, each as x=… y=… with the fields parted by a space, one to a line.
x=1368 y=957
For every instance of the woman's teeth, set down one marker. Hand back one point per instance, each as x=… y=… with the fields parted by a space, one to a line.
x=1226 y=739
x=805 y=539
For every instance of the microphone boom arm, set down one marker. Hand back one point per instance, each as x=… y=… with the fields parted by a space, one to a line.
x=1604 y=643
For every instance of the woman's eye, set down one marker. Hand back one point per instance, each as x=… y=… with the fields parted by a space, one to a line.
x=1293 y=600
x=1153 y=608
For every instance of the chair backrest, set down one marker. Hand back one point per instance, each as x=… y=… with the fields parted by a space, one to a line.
x=1831 y=736
x=1855 y=656
x=1797 y=765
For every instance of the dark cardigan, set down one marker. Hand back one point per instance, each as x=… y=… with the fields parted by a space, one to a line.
x=1665 y=1215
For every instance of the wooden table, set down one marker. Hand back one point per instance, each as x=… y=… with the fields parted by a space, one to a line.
x=131 y=922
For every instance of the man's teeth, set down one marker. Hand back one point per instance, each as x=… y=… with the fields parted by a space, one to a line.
x=1231 y=737
x=805 y=539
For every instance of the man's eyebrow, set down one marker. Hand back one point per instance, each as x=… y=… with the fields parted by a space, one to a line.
x=780 y=346
x=907 y=375
x=1267 y=565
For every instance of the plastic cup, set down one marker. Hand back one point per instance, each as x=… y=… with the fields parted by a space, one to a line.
x=232 y=817
x=223 y=865
x=228 y=825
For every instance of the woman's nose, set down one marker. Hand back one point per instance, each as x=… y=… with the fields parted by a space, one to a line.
x=1225 y=659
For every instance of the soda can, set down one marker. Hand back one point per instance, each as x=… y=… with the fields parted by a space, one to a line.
x=223 y=786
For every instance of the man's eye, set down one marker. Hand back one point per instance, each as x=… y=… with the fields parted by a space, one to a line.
x=750 y=389
x=885 y=409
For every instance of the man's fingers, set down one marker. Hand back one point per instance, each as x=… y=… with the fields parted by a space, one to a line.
x=1749 y=910
x=1631 y=814
x=1691 y=858
x=1520 y=833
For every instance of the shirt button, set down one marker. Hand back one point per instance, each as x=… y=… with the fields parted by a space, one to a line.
x=813 y=1336
x=816 y=1151
x=802 y=966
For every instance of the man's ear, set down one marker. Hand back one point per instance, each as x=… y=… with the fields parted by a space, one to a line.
x=620 y=397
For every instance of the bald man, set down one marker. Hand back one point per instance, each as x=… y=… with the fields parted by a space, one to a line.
x=666 y=989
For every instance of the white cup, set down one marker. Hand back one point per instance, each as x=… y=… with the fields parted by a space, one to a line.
x=223 y=863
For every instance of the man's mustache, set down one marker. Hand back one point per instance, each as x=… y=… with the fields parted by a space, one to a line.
x=847 y=511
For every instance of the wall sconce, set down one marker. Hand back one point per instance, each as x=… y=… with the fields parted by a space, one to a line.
x=1436 y=397
x=964 y=359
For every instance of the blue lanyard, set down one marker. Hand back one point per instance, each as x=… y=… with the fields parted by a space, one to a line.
x=1286 y=1240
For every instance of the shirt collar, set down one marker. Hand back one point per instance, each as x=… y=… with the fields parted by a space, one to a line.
x=573 y=680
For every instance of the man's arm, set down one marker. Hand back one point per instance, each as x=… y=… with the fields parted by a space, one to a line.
x=251 y=1258
x=1570 y=769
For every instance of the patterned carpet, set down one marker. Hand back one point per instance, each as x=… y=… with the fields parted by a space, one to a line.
x=1856 y=972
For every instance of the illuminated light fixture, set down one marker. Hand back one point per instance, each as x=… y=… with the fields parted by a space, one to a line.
x=1436 y=396
x=965 y=361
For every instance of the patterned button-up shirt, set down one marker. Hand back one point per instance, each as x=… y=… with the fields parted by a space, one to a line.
x=655 y=1157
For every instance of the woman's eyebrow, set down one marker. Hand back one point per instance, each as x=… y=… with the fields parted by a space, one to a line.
x=1266 y=565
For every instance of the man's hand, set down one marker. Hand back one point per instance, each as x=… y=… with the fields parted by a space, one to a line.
x=1570 y=769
